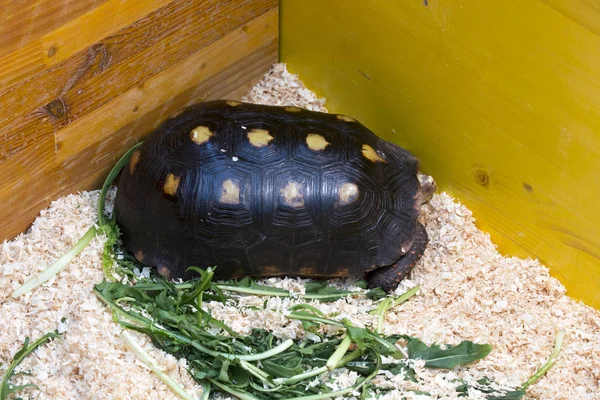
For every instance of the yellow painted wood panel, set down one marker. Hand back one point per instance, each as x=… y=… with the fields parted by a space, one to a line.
x=499 y=100
x=584 y=12
x=64 y=126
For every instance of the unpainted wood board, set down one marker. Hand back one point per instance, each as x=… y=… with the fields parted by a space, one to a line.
x=71 y=37
x=79 y=155
x=95 y=76
x=24 y=21
x=213 y=68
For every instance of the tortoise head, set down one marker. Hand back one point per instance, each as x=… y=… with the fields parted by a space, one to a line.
x=427 y=189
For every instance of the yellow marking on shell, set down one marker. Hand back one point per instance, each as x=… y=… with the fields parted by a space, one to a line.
x=230 y=193
x=345 y=118
x=270 y=270
x=308 y=270
x=292 y=195
x=371 y=154
x=292 y=109
x=139 y=255
x=164 y=271
x=316 y=142
x=171 y=185
x=342 y=271
x=135 y=158
x=348 y=193
x=259 y=137
x=233 y=103
x=201 y=134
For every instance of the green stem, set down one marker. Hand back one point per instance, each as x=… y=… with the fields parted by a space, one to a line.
x=151 y=363
x=57 y=266
x=390 y=303
x=223 y=373
x=553 y=357
x=405 y=296
x=333 y=296
x=19 y=357
x=342 y=392
x=205 y=283
x=385 y=306
x=109 y=180
x=150 y=287
x=259 y=373
x=199 y=309
x=315 y=372
x=300 y=377
x=225 y=388
x=350 y=357
x=303 y=317
x=64 y=260
x=266 y=292
x=205 y=390
x=139 y=320
x=266 y=354
x=339 y=353
x=257 y=292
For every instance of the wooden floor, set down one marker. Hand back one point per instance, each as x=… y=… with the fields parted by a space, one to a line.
x=82 y=81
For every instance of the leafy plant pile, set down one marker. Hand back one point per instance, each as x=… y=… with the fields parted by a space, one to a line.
x=261 y=366
x=178 y=319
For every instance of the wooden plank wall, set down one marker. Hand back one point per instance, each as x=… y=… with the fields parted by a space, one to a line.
x=81 y=81
x=499 y=99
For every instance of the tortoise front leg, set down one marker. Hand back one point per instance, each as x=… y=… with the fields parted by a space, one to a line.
x=388 y=278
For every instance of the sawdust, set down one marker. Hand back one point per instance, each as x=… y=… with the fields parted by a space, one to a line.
x=468 y=292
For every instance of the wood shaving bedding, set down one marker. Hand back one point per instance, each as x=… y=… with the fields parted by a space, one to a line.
x=468 y=292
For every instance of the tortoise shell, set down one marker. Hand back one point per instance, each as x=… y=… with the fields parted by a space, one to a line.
x=261 y=190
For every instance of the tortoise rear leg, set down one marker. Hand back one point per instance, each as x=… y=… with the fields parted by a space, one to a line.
x=389 y=277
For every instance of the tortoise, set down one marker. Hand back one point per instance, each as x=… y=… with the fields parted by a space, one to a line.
x=261 y=191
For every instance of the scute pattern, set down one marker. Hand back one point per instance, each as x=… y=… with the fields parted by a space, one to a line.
x=262 y=232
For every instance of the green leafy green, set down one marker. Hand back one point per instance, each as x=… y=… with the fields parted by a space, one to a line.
x=366 y=339
x=560 y=336
x=260 y=366
x=252 y=365
x=248 y=285
x=376 y=294
x=492 y=391
x=316 y=290
x=151 y=363
x=435 y=357
x=391 y=302
x=320 y=290
x=509 y=395
x=6 y=388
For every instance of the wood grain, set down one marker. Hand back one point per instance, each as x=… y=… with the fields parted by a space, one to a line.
x=63 y=127
x=499 y=100
x=26 y=21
